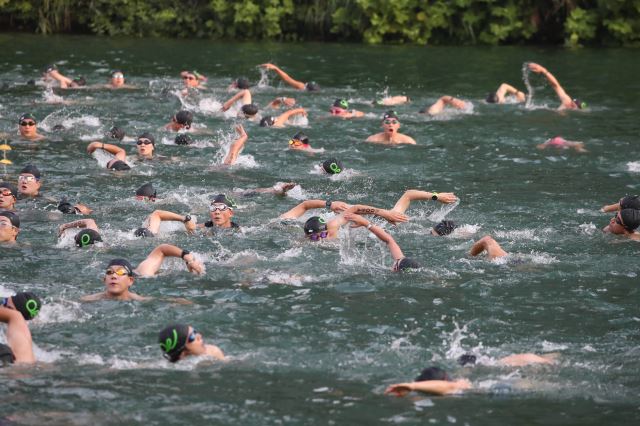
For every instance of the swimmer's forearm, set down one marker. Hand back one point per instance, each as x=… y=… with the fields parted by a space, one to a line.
x=611 y=208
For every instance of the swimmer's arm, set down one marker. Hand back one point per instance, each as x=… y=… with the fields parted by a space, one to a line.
x=611 y=208
x=284 y=76
x=388 y=215
x=407 y=140
x=375 y=138
x=64 y=81
x=82 y=223
x=117 y=152
x=358 y=221
x=158 y=216
x=18 y=335
x=237 y=146
x=152 y=263
x=507 y=89
x=300 y=209
x=216 y=352
x=410 y=195
x=282 y=118
x=234 y=98
x=562 y=95
x=635 y=236
x=281 y=101
x=518 y=360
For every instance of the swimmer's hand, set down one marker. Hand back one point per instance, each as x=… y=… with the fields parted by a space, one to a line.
x=392 y=217
x=339 y=206
x=190 y=226
x=399 y=389
x=240 y=130
x=268 y=66
x=193 y=265
x=536 y=68
x=283 y=188
x=447 y=197
x=356 y=220
x=93 y=146
x=82 y=209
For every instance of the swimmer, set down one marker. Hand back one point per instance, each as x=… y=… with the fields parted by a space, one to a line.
x=236 y=146
x=299 y=141
x=625 y=222
x=19 y=341
x=506 y=93
x=146 y=193
x=120 y=275
x=8 y=196
x=332 y=166
x=89 y=234
x=221 y=213
x=67 y=208
x=9 y=227
x=310 y=86
x=26 y=302
x=240 y=83
x=243 y=95
x=145 y=151
x=400 y=262
x=179 y=341
x=561 y=143
x=392 y=100
x=440 y=105
x=628 y=202
x=340 y=108
x=27 y=127
x=180 y=121
x=282 y=101
x=193 y=79
x=117 y=81
x=488 y=244
x=566 y=102
x=282 y=119
x=29 y=181
x=183 y=139
x=115 y=133
x=389 y=135
x=249 y=111
x=443 y=228
x=52 y=72
x=152 y=223
x=515 y=360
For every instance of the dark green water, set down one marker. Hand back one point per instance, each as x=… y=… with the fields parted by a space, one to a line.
x=316 y=331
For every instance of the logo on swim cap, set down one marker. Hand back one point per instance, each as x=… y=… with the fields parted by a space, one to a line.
x=32 y=307
x=170 y=343
x=335 y=168
x=85 y=240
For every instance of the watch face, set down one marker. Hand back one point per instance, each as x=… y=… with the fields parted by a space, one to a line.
x=434 y=197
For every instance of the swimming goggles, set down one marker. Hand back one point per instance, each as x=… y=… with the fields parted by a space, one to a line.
x=219 y=206
x=317 y=236
x=121 y=272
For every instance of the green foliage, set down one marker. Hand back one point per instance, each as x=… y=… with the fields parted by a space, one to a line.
x=574 y=22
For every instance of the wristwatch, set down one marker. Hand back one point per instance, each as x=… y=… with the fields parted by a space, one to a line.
x=187 y=218
x=184 y=253
x=434 y=196
x=327 y=204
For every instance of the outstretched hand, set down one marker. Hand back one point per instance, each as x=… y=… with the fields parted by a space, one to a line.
x=399 y=389
x=193 y=265
x=393 y=217
x=268 y=66
x=339 y=206
x=240 y=130
x=447 y=197
x=356 y=220
x=536 y=68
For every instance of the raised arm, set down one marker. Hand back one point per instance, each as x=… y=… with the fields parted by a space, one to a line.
x=506 y=89
x=410 y=195
x=300 y=209
x=152 y=263
x=282 y=101
x=65 y=82
x=158 y=216
x=237 y=146
x=439 y=105
x=358 y=221
x=285 y=77
x=82 y=223
x=388 y=215
x=118 y=153
x=565 y=99
x=282 y=118
x=245 y=94
x=18 y=335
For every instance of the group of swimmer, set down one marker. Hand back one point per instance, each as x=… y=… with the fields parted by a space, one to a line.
x=178 y=341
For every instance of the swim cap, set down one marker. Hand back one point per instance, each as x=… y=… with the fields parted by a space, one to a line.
x=13 y=218
x=341 y=103
x=58 y=128
x=630 y=218
x=125 y=264
x=184 y=117
x=143 y=232
x=32 y=170
x=147 y=135
x=27 y=116
x=445 y=227
x=492 y=98
x=50 y=68
x=27 y=303
x=267 y=121
x=404 y=264
x=116 y=133
x=146 y=190
x=87 y=237
x=222 y=198
x=80 y=81
x=390 y=114
x=249 y=110
x=117 y=74
x=628 y=202
x=66 y=207
x=432 y=373
x=466 y=359
x=6 y=355
x=315 y=225
x=11 y=187
x=173 y=339
x=242 y=83
x=119 y=166
x=332 y=166
x=312 y=86
x=183 y=139
x=301 y=137
x=579 y=104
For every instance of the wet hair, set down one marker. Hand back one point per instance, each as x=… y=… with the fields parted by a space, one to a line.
x=185 y=118
x=242 y=83
x=249 y=110
x=432 y=373
x=183 y=139
x=492 y=98
x=87 y=237
x=630 y=202
x=445 y=227
x=332 y=166
x=267 y=121
x=467 y=359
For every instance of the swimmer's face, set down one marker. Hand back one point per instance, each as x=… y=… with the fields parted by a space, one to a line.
x=194 y=344
x=390 y=125
x=28 y=184
x=8 y=232
x=221 y=214
x=117 y=285
x=190 y=80
x=298 y=144
x=616 y=226
x=27 y=128
x=145 y=147
x=7 y=200
x=117 y=80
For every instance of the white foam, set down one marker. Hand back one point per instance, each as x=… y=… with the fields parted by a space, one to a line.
x=633 y=166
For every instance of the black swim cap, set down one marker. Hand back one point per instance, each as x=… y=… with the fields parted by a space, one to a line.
x=11 y=187
x=249 y=110
x=32 y=170
x=406 y=263
x=27 y=116
x=628 y=202
x=222 y=198
x=315 y=225
x=13 y=218
x=50 y=68
x=184 y=117
x=332 y=166
x=183 y=139
x=118 y=166
x=147 y=135
x=87 y=237
x=144 y=233
x=445 y=227
x=6 y=355
x=27 y=303
x=267 y=121
x=58 y=128
x=80 y=81
x=116 y=133
x=146 y=190
x=390 y=114
x=341 y=103
x=432 y=373
x=114 y=72
x=173 y=339
x=492 y=98
x=300 y=136
x=467 y=359
x=630 y=218
x=312 y=86
x=125 y=264
x=66 y=207
x=242 y=83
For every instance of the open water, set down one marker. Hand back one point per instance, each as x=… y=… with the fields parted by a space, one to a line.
x=315 y=332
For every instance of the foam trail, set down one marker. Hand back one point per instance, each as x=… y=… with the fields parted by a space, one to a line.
x=525 y=77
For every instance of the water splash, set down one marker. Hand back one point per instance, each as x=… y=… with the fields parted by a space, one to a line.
x=525 y=78
x=264 y=78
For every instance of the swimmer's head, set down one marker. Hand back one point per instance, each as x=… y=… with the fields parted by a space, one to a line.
x=143 y=233
x=49 y=68
x=405 y=264
x=332 y=166
x=579 y=104
x=443 y=228
x=184 y=118
x=115 y=133
x=66 y=207
x=249 y=110
x=312 y=86
x=6 y=355
x=80 y=81
x=146 y=136
x=125 y=264
x=146 y=145
x=224 y=199
x=341 y=103
x=117 y=78
x=241 y=83
x=146 y=192
x=389 y=115
x=492 y=98
x=315 y=228
x=14 y=219
x=173 y=340
x=118 y=166
x=28 y=304
x=8 y=186
x=87 y=237
x=432 y=373
x=26 y=118
x=183 y=139
x=299 y=141
x=267 y=121
x=30 y=169
x=467 y=359
x=630 y=202
x=58 y=128
x=630 y=219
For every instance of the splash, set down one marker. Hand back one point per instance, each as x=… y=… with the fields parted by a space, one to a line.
x=264 y=78
x=633 y=166
x=525 y=78
x=439 y=214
